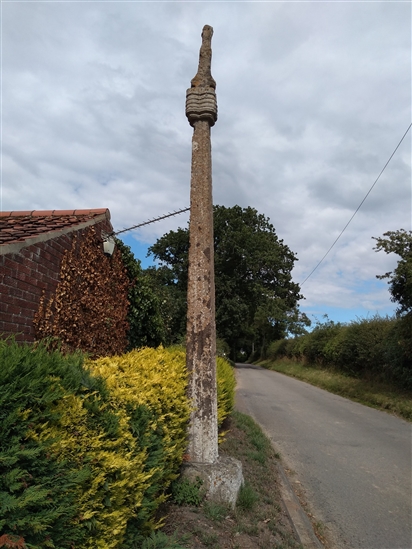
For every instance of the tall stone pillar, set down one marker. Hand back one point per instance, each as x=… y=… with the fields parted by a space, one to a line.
x=201 y=111
x=221 y=476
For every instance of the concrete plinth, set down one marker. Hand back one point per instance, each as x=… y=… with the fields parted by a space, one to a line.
x=221 y=480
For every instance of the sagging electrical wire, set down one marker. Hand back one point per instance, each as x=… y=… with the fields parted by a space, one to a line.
x=358 y=208
x=177 y=212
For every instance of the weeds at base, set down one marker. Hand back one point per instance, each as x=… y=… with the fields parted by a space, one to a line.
x=259 y=520
x=185 y=492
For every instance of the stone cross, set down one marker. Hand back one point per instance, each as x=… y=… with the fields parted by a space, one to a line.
x=201 y=111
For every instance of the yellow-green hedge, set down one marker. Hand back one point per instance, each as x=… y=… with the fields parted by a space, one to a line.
x=226 y=384
x=126 y=434
x=149 y=387
x=133 y=460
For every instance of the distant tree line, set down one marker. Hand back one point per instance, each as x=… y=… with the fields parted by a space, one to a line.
x=377 y=347
x=257 y=301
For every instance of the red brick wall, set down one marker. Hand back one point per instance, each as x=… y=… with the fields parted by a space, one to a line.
x=23 y=277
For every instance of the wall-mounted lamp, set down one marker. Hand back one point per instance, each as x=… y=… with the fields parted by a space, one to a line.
x=108 y=245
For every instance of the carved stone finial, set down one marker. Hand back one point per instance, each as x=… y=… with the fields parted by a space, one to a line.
x=201 y=97
x=203 y=78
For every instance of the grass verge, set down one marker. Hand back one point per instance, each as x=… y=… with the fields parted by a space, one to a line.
x=259 y=520
x=369 y=392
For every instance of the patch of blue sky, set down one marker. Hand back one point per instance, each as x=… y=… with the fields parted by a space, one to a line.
x=345 y=316
x=368 y=299
x=139 y=249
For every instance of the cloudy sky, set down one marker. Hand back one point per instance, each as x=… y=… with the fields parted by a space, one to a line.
x=313 y=98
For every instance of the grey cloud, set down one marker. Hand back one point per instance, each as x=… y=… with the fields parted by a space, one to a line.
x=312 y=100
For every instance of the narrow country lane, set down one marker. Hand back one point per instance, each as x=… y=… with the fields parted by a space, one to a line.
x=352 y=462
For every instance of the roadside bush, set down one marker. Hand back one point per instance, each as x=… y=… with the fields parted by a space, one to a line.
x=226 y=384
x=39 y=493
x=148 y=389
x=277 y=349
x=335 y=348
x=89 y=449
x=362 y=347
x=398 y=352
x=296 y=348
x=85 y=461
x=315 y=342
x=377 y=347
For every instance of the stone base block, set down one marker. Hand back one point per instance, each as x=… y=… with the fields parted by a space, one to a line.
x=221 y=480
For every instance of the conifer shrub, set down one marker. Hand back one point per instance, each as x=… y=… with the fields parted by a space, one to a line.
x=88 y=449
x=148 y=389
x=39 y=493
x=226 y=384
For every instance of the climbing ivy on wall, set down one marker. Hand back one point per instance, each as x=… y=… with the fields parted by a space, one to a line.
x=89 y=308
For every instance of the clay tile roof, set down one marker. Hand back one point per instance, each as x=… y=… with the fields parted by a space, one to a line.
x=19 y=226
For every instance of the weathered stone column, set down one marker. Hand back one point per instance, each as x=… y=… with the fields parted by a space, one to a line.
x=221 y=476
x=201 y=111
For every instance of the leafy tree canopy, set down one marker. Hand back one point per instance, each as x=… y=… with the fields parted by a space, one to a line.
x=400 y=279
x=146 y=322
x=256 y=299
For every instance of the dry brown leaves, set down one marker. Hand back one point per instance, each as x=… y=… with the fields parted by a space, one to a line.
x=89 y=308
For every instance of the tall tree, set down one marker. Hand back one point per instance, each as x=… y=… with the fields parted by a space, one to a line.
x=400 y=287
x=256 y=299
x=147 y=326
x=400 y=279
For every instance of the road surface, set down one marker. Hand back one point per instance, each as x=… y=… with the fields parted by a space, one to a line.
x=352 y=462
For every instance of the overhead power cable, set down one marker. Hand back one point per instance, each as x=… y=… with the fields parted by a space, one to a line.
x=358 y=208
x=177 y=212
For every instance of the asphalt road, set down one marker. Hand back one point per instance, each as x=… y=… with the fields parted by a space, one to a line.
x=352 y=462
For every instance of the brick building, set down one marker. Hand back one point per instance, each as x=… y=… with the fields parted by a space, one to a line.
x=32 y=246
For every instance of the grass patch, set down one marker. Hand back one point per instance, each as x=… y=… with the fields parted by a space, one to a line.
x=215 y=511
x=259 y=519
x=368 y=392
x=247 y=497
x=257 y=440
x=159 y=540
